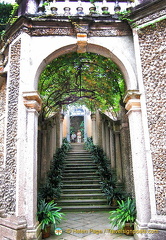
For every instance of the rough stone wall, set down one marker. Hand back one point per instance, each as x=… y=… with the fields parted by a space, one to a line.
x=2 y=132
x=9 y=188
x=153 y=57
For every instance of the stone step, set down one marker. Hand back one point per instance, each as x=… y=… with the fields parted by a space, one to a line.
x=81 y=181
x=80 y=165
x=88 y=159
x=81 y=186
x=82 y=195
x=77 y=167
x=77 y=202
x=83 y=208
x=79 y=159
x=78 y=177
x=81 y=191
x=80 y=173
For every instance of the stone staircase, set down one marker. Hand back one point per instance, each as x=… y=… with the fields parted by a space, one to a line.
x=81 y=189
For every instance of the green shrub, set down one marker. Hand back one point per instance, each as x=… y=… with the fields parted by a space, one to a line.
x=48 y=213
x=125 y=213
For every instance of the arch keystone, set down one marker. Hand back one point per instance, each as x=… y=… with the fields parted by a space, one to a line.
x=81 y=42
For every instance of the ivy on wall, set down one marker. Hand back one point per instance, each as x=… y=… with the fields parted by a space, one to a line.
x=7 y=15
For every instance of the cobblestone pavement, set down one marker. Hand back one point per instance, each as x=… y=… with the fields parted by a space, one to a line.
x=87 y=226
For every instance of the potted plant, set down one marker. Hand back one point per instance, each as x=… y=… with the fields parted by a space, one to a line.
x=124 y=215
x=48 y=213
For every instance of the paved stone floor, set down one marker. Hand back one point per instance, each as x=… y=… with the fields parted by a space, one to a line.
x=87 y=226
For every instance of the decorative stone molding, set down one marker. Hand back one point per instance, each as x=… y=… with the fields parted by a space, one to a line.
x=133 y=104
x=81 y=42
x=32 y=100
x=9 y=188
x=150 y=17
x=132 y=100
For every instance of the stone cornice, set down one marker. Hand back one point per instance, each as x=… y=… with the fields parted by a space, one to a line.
x=32 y=100
x=61 y=26
x=148 y=11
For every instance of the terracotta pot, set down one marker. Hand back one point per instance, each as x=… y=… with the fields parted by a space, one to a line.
x=46 y=232
x=129 y=227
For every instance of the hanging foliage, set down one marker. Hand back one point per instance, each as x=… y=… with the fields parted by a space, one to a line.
x=5 y=11
x=85 y=78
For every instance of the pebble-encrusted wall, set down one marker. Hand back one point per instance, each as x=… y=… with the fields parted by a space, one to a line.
x=9 y=188
x=153 y=57
x=2 y=132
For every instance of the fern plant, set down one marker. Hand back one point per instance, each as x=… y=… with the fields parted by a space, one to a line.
x=125 y=213
x=48 y=213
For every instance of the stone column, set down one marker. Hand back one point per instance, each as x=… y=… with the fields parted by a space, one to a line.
x=118 y=153
x=43 y=154
x=139 y=162
x=103 y=135
x=107 y=137
x=54 y=135
x=93 y=117
x=33 y=103
x=112 y=149
x=61 y=128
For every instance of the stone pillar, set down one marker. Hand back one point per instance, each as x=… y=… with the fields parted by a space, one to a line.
x=58 y=130
x=107 y=139
x=93 y=117
x=118 y=153
x=139 y=162
x=103 y=135
x=61 y=128
x=112 y=149
x=54 y=135
x=43 y=154
x=33 y=103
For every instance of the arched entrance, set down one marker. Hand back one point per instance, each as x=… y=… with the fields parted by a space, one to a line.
x=134 y=114
x=29 y=65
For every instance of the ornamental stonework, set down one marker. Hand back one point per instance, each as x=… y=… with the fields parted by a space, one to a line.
x=153 y=57
x=151 y=17
x=52 y=32
x=2 y=133
x=2 y=121
x=9 y=191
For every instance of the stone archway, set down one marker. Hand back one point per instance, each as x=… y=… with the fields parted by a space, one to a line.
x=133 y=106
x=23 y=56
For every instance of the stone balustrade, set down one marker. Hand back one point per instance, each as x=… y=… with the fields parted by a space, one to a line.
x=81 y=8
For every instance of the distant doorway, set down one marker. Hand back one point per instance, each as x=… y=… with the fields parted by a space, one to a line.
x=76 y=125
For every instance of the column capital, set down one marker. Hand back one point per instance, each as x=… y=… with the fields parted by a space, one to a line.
x=131 y=94
x=132 y=100
x=32 y=100
x=93 y=116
